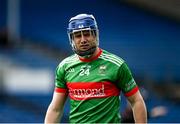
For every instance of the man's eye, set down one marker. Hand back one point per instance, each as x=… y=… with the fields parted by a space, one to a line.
x=86 y=33
x=77 y=35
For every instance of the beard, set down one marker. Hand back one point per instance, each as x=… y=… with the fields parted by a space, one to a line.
x=85 y=51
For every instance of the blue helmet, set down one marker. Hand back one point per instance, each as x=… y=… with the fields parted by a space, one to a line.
x=82 y=22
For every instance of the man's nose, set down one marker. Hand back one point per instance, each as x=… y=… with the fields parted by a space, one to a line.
x=83 y=39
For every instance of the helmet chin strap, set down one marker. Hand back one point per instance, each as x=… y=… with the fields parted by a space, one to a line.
x=86 y=53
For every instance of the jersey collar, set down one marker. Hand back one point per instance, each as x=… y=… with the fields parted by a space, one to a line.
x=93 y=58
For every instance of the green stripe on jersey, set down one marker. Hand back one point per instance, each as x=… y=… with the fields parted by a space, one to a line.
x=112 y=58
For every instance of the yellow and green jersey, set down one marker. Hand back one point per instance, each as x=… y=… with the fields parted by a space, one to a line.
x=94 y=86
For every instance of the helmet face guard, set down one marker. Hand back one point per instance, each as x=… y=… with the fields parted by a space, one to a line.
x=81 y=23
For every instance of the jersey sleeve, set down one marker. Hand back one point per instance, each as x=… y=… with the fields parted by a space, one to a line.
x=60 y=83
x=126 y=81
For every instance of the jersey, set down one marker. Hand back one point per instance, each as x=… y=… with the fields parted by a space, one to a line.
x=94 y=86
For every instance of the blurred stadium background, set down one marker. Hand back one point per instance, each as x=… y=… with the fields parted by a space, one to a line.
x=33 y=41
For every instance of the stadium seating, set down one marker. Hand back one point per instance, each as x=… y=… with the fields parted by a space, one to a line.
x=149 y=44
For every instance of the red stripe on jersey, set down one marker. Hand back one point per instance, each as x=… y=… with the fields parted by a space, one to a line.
x=89 y=90
x=93 y=58
x=60 y=90
x=132 y=92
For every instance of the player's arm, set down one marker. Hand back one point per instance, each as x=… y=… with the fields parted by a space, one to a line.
x=130 y=89
x=55 y=109
x=138 y=107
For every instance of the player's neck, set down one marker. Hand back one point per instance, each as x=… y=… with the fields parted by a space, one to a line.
x=97 y=51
